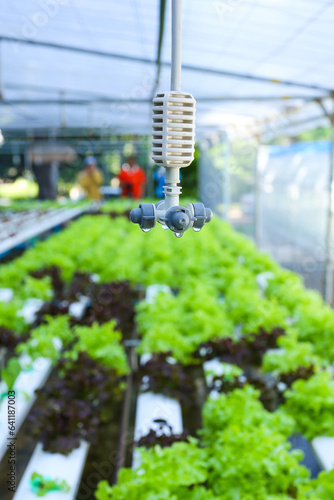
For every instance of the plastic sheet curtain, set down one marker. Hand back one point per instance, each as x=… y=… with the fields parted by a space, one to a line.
x=214 y=175
x=293 y=205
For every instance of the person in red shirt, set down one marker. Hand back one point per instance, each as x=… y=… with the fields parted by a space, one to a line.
x=132 y=179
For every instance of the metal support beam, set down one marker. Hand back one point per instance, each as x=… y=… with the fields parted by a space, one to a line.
x=189 y=67
x=329 y=269
x=256 y=98
x=160 y=39
x=1 y=73
x=89 y=95
x=227 y=176
x=112 y=100
x=287 y=126
x=258 y=191
x=63 y=120
x=329 y=250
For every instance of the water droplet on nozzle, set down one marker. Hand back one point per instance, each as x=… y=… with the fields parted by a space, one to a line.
x=180 y=220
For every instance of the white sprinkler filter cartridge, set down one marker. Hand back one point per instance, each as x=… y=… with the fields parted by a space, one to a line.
x=173 y=143
x=173 y=129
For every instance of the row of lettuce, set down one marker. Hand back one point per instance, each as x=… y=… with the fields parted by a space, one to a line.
x=217 y=294
x=242 y=454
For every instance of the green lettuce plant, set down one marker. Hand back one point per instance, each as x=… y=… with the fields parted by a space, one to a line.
x=241 y=409
x=102 y=343
x=181 y=323
x=293 y=355
x=315 y=324
x=41 y=485
x=11 y=275
x=246 y=307
x=9 y=317
x=10 y=373
x=178 y=468
x=36 y=288
x=43 y=340
x=247 y=460
x=321 y=488
x=311 y=404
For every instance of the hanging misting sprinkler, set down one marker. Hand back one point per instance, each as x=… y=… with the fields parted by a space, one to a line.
x=173 y=148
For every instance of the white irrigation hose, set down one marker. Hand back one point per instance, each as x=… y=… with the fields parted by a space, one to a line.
x=176 y=45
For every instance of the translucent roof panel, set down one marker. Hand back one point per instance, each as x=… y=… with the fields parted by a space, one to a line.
x=232 y=49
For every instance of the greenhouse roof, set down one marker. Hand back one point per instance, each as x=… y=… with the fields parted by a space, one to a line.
x=93 y=64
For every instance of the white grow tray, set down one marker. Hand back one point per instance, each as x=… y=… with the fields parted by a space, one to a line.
x=216 y=367
x=6 y=295
x=150 y=407
x=27 y=382
x=56 y=466
x=38 y=227
x=324 y=449
x=153 y=290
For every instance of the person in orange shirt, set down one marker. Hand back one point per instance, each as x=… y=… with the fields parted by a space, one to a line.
x=132 y=179
x=91 y=178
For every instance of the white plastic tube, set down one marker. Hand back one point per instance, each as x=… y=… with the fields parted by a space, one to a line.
x=176 y=45
x=171 y=189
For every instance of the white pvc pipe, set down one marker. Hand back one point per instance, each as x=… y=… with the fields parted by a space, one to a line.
x=329 y=279
x=176 y=45
x=172 y=197
x=66 y=467
x=324 y=450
